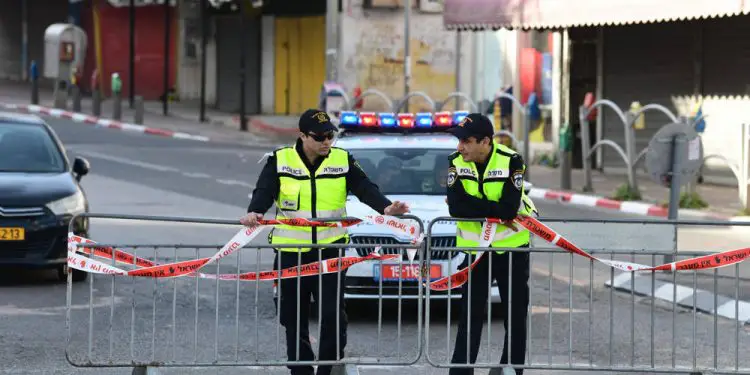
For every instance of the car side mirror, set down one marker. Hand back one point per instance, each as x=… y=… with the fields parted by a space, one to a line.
x=81 y=167
x=527 y=186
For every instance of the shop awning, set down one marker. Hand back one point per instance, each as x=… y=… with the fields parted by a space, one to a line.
x=559 y=14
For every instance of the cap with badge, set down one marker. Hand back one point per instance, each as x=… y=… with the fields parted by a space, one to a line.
x=316 y=121
x=473 y=125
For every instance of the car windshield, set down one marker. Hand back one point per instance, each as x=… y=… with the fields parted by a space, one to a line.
x=405 y=171
x=29 y=149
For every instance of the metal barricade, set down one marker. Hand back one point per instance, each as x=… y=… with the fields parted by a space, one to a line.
x=220 y=314
x=689 y=320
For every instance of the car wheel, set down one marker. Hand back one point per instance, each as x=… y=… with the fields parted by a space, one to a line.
x=78 y=276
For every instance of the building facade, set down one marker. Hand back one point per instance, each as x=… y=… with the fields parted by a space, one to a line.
x=683 y=56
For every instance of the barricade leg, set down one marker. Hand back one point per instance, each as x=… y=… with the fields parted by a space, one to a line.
x=146 y=370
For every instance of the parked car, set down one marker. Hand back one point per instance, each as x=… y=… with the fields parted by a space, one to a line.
x=40 y=193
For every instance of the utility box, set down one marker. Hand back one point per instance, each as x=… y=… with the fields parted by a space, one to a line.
x=64 y=49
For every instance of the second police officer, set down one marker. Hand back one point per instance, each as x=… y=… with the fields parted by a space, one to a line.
x=485 y=180
x=311 y=179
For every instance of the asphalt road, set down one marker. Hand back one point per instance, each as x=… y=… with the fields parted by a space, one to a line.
x=156 y=320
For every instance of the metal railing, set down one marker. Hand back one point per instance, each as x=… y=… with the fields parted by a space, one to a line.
x=219 y=315
x=573 y=321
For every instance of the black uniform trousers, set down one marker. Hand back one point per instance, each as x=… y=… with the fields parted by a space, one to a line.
x=290 y=304
x=519 y=303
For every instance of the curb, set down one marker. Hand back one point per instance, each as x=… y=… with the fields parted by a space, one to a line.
x=630 y=207
x=261 y=125
x=104 y=123
x=683 y=296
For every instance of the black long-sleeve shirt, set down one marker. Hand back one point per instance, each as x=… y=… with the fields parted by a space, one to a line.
x=267 y=189
x=463 y=205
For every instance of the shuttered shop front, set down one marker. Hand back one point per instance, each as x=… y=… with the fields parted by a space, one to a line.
x=648 y=63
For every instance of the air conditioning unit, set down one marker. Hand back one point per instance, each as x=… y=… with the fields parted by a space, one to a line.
x=431 y=6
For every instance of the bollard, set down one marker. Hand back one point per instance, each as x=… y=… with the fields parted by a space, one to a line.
x=61 y=94
x=116 y=96
x=96 y=102
x=116 y=106
x=76 y=98
x=566 y=154
x=75 y=90
x=138 y=110
x=149 y=370
x=34 y=76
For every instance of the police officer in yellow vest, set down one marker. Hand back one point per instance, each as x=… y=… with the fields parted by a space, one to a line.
x=311 y=180
x=485 y=180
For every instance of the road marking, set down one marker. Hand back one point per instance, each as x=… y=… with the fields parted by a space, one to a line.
x=155 y=167
x=54 y=310
x=195 y=175
x=235 y=182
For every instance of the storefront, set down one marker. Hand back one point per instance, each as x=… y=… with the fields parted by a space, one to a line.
x=625 y=53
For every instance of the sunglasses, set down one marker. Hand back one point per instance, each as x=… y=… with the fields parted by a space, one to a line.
x=321 y=137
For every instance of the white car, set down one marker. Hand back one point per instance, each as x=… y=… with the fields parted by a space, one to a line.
x=409 y=166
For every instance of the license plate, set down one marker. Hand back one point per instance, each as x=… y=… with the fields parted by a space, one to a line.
x=12 y=234
x=409 y=272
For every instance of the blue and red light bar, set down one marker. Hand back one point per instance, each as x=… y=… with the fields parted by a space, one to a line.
x=388 y=121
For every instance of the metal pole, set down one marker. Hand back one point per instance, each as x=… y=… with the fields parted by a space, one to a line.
x=167 y=28
x=332 y=25
x=24 y=38
x=526 y=138
x=204 y=42
x=678 y=144
x=745 y=172
x=458 y=67
x=407 y=51
x=585 y=150
x=131 y=79
x=243 y=32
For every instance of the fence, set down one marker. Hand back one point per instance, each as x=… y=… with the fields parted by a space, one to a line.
x=632 y=157
x=573 y=323
x=169 y=323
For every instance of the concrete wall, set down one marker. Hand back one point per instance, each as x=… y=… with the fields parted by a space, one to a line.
x=372 y=54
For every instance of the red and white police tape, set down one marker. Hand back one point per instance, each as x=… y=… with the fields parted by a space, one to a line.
x=536 y=227
x=146 y=268
x=102 y=122
x=636 y=208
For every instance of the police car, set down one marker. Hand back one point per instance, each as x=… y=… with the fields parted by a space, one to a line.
x=406 y=155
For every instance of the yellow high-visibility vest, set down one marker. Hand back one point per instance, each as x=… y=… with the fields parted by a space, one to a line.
x=304 y=196
x=495 y=176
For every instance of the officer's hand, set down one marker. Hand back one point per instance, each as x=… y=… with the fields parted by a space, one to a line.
x=251 y=219
x=397 y=208
x=510 y=224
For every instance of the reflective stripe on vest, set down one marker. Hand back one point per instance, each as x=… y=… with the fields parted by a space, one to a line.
x=495 y=176
x=297 y=189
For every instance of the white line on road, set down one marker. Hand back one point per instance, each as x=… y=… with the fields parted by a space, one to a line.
x=53 y=310
x=161 y=168
x=155 y=167
x=235 y=182
x=195 y=175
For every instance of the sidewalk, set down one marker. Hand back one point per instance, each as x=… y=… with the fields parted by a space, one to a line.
x=723 y=200
x=183 y=117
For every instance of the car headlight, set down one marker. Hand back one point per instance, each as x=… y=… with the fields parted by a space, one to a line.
x=73 y=204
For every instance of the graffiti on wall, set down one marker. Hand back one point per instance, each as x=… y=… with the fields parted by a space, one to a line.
x=374 y=58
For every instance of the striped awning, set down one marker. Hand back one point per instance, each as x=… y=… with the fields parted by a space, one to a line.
x=560 y=14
